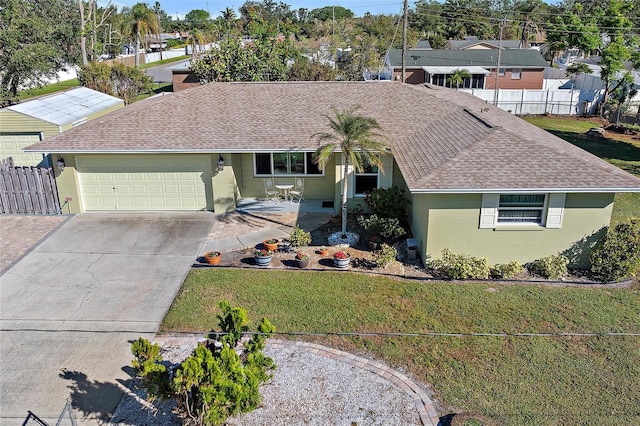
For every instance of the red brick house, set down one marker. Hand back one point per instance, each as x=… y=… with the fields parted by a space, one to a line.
x=519 y=68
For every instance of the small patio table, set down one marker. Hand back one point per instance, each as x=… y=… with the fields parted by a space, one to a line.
x=284 y=189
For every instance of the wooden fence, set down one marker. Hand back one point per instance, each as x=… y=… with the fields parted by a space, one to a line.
x=28 y=190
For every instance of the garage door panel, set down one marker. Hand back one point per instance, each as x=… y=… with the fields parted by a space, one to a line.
x=140 y=186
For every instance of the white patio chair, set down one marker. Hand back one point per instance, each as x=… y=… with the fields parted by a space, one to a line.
x=270 y=191
x=296 y=192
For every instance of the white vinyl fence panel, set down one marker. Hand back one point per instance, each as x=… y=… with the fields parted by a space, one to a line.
x=560 y=102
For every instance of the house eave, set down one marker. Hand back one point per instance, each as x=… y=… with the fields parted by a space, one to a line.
x=521 y=190
x=164 y=151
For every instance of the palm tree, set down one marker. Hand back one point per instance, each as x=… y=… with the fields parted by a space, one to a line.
x=458 y=77
x=354 y=135
x=197 y=38
x=143 y=22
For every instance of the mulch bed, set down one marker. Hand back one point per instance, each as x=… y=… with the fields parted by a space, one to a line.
x=363 y=261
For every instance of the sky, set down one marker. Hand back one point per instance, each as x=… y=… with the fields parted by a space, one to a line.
x=181 y=7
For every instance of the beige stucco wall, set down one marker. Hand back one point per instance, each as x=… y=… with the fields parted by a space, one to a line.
x=69 y=186
x=315 y=186
x=225 y=185
x=452 y=221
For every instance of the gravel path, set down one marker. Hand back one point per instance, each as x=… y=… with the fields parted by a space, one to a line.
x=307 y=388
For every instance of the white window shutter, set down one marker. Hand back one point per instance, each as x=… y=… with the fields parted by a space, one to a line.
x=555 y=210
x=489 y=210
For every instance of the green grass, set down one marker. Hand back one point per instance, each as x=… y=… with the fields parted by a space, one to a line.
x=45 y=90
x=164 y=61
x=620 y=153
x=513 y=380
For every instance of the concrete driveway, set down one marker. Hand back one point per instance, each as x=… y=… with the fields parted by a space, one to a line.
x=72 y=305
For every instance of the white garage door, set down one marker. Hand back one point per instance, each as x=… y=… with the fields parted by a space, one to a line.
x=158 y=182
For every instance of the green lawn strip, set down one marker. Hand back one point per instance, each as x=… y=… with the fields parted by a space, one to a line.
x=49 y=88
x=515 y=380
x=164 y=61
x=625 y=155
x=625 y=206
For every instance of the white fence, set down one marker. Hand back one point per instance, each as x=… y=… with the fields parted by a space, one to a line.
x=166 y=54
x=559 y=101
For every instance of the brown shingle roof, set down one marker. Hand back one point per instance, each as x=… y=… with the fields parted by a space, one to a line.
x=442 y=139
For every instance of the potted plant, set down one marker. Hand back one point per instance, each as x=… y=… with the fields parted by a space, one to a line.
x=262 y=257
x=341 y=259
x=303 y=259
x=213 y=257
x=374 y=241
x=271 y=244
x=299 y=237
x=323 y=251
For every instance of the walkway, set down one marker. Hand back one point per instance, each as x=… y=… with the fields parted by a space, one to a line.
x=255 y=220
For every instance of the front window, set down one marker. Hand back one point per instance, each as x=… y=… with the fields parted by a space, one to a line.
x=367 y=180
x=477 y=81
x=521 y=208
x=516 y=74
x=285 y=163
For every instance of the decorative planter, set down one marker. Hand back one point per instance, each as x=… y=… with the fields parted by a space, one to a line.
x=343 y=239
x=213 y=257
x=263 y=260
x=323 y=251
x=412 y=248
x=341 y=262
x=302 y=263
x=271 y=246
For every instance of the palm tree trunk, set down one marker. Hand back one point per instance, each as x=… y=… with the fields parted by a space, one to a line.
x=343 y=206
x=137 y=58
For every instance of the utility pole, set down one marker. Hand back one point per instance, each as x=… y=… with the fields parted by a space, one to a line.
x=405 y=23
x=333 y=22
x=495 y=93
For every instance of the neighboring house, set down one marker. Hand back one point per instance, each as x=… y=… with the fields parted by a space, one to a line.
x=423 y=44
x=34 y=120
x=471 y=43
x=481 y=181
x=519 y=68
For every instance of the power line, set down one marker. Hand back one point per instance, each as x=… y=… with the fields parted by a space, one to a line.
x=430 y=334
x=546 y=26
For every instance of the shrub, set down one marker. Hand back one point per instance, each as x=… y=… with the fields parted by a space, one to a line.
x=461 y=266
x=553 y=267
x=300 y=238
x=233 y=321
x=213 y=384
x=148 y=365
x=506 y=270
x=617 y=256
x=388 y=228
x=389 y=202
x=385 y=255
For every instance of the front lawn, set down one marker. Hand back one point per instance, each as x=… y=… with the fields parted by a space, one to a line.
x=617 y=151
x=515 y=380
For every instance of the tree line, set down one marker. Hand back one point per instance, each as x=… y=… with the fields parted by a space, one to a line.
x=40 y=37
